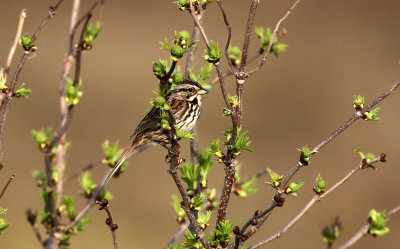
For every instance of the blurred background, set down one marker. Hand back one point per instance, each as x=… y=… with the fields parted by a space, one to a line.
x=336 y=49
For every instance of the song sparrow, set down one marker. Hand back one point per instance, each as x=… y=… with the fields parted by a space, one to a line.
x=185 y=103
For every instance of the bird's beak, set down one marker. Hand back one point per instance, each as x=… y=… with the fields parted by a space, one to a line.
x=202 y=91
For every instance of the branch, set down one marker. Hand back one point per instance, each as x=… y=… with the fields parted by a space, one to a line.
x=6 y=186
x=228 y=40
x=264 y=215
x=7 y=97
x=274 y=34
x=310 y=204
x=365 y=229
x=109 y=221
x=10 y=57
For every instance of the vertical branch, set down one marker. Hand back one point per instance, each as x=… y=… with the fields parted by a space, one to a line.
x=10 y=57
x=6 y=186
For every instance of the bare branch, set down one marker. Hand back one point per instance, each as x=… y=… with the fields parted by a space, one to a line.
x=6 y=186
x=365 y=229
x=228 y=40
x=22 y=17
x=109 y=221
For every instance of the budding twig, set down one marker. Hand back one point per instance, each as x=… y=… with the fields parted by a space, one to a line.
x=6 y=186
x=364 y=230
x=109 y=221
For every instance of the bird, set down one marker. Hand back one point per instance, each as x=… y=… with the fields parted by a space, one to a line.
x=185 y=102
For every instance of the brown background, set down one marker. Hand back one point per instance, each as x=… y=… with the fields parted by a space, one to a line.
x=336 y=49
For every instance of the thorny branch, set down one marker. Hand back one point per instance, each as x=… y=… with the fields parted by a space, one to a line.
x=365 y=229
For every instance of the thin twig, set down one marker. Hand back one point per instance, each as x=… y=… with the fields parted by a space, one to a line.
x=310 y=204
x=10 y=57
x=109 y=221
x=274 y=34
x=6 y=186
x=365 y=230
x=228 y=40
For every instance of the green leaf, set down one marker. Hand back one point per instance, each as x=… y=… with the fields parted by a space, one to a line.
x=378 y=222
x=22 y=92
x=203 y=219
x=26 y=42
x=183 y=134
x=179 y=211
x=293 y=188
x=191 y=240
x=371 y=115
x=247 y=187
x=87 y=184
x=197 y=201
x=42 y=137
x=189 y=175
x=235 y=55
x=213 y=54
x=3 y=220
x=69 y=207
x=305 y=155
x=275 y=179
x=224 y=232
x=91 y=33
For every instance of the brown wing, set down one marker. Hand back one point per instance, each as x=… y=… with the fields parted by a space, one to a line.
x=150 y=122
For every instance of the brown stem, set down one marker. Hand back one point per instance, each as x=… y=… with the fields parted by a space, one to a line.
x=10 y=57
x=6 y=186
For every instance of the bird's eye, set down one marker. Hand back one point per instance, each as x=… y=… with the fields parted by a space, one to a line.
x=191 y=89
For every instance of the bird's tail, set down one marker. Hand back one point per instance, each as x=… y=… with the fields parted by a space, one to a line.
x=120 y=162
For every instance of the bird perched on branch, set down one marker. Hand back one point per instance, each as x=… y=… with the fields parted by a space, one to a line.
x=185 y=103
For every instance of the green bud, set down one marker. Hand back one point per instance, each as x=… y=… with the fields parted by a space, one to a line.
x=160 y=69
x=27 y=44
x=226 y=112
x=378 y=222
x=320 y=185
x=293 y=187
x=358 y=102
x=176 y=52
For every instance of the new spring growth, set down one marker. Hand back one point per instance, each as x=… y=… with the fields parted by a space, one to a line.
x=3 y=86
x=72 y=92
x=22 y=91
x=3 y=220
x=242 y=142
x=160 y=102
x=73 y=231
x=265 y=38
x=112 y=153
x=68 y=207
x=192 y=240
x=371 y=115
x=189 y=175
x=223 y=233
x=89 y=187
x=177 y=77
x=203 y=219
x=331 y=232
x=179 y=46
x=185 y=4
x=203 y=76
x=235 y=55
x=275 y=179
x=305 y=155
x=42 y=137
x=365 y=159
x=27 y=44
x=205 y=164
x=216 y=151
x=320 y=185
x=234 y=100
x=358 y=102
x=213 y=54
x=160 y=68
x=91 y=33
x=197 y=201
x=378 y=222
x=247 y=187
x=179 y=211
x=293 y=187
